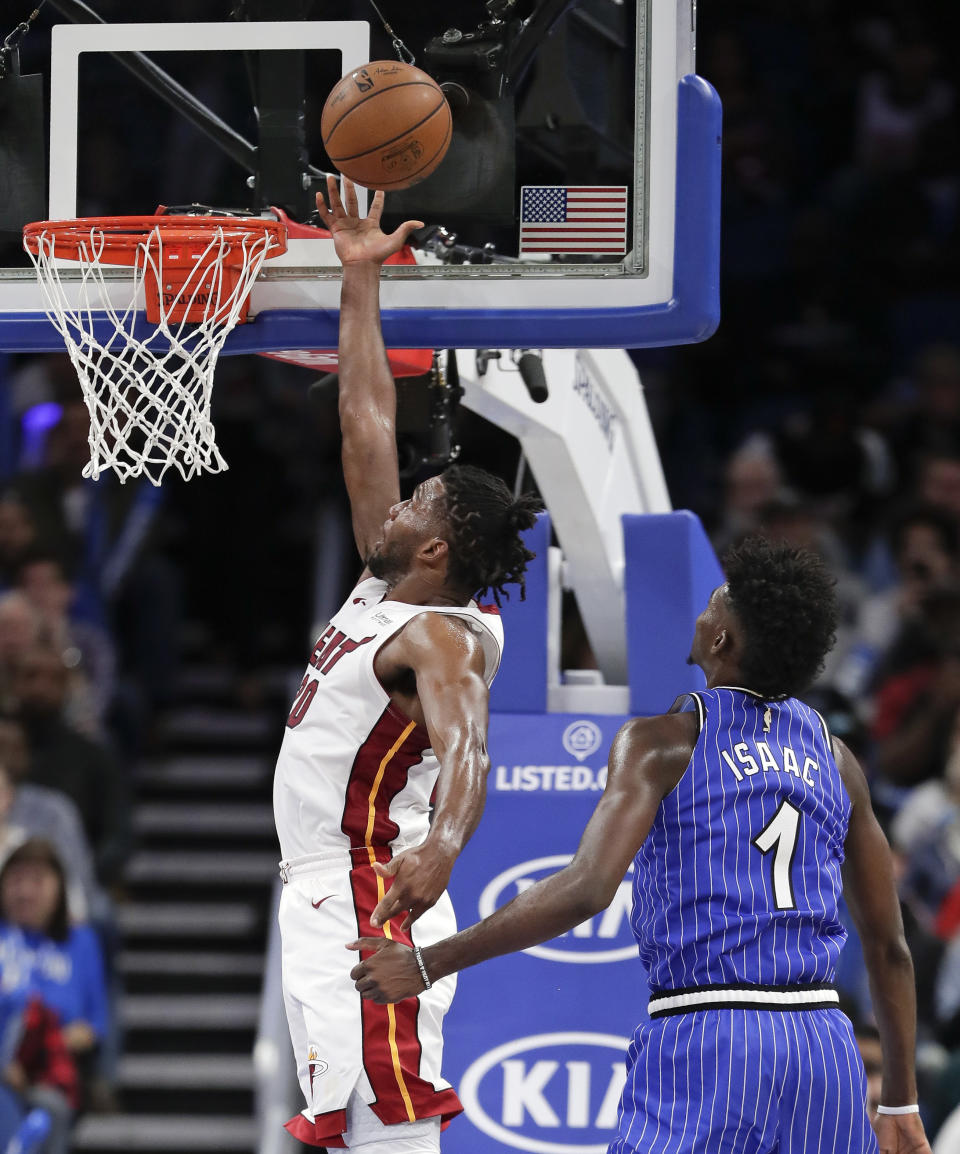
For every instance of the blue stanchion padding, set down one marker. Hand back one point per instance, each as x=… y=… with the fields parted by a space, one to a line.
x=535 y=1041
x=521 y=684
x=671 y=570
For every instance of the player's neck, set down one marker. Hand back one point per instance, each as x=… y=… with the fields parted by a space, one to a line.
x=724 y=674
x=416 y=589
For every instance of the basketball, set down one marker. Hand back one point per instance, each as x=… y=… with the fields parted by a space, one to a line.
x=386 y=125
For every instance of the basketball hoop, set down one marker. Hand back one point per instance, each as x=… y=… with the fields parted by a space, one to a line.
x=148 y=389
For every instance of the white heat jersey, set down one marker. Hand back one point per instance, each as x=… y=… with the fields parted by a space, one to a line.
x=353 y=771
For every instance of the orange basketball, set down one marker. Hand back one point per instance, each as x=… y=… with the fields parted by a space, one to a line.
x=386 y=125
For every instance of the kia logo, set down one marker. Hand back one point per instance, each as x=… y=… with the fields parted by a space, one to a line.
x=564 y=1086
x=604 y=938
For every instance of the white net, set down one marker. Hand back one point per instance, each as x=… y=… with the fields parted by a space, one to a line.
x=148 y=386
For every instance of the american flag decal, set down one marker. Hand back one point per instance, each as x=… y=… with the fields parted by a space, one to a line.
x=573 y=218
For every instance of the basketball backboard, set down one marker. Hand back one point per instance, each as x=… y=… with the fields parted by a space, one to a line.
x=563 y=135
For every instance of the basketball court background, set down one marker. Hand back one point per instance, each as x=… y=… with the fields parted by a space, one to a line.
x=535 y=1042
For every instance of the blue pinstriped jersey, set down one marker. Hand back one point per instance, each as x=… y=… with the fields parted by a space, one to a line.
x=739 y=881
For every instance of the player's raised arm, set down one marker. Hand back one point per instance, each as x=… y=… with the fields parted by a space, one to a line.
x=872 y=897
x=368 y=402
x=647 y=758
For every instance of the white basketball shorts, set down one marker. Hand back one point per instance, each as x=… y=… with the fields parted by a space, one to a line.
x=389 y=1055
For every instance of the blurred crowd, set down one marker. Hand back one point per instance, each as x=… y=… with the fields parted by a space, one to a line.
x=826 y=411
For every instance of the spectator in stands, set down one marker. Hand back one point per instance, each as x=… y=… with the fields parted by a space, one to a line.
x=35 y=811
x=47 y=958
x=918 y=692
x=925 y=832
x=85 y=648
x=898 y=103
x=799 y=522
x=62 y=759
x=19 y=631
x=930 y=421
x=17 y=535
x=37 y=1071
x=752 y=479
x=925 y=543
x=101 y=532
x=938 y=480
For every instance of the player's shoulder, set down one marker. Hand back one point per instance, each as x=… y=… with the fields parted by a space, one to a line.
x=653 y=751
x=661 y=738
x=434 y=632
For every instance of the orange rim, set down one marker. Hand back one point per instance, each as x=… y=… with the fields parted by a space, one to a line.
x=122 y=236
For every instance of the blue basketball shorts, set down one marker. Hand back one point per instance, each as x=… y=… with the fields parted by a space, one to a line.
x=745 y=1082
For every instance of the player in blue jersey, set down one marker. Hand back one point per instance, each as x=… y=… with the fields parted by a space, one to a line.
x=743 y=817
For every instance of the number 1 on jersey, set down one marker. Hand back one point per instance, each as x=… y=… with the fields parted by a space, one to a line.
x=780 y=833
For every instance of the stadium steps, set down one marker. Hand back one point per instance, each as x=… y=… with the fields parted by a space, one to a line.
x=193 y=930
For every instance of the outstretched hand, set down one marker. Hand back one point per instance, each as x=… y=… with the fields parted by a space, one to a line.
x=420 y=876
x=360 y=240
x=389 y=974
x=900 y=1134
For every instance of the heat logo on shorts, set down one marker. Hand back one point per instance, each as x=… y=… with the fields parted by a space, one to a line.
x=316 y=1066
x=608 y=937
x=548 y=1093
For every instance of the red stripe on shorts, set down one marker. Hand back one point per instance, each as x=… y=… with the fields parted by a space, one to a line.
x=391 y=1042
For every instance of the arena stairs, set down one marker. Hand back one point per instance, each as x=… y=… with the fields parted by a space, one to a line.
x=193 y=925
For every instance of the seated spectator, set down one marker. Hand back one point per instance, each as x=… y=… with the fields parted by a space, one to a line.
x=19 y=631
x=918 y=693
x=938 y=481
x=925 y=833
x=37 y=1072
x=45 y=956
x=85 y=648
x=930 y=422
x=925 y=541
x=798 y=522
x=752 y=479
x=17 y=535
x=35 y=811
x=62 y=759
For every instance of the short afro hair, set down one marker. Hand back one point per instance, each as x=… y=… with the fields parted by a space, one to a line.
x=785 y=598
x=485 y=522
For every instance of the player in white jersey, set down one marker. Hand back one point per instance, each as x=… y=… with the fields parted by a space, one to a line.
x=381 y=777
x=738 y=816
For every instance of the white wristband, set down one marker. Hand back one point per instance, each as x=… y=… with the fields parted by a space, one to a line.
x=914 y=1109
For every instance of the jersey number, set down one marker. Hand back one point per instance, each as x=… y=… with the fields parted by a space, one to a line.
x=780 y=835
x=305 y=694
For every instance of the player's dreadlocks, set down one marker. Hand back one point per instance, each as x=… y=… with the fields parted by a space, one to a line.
x=485 y=522
x=786 y=601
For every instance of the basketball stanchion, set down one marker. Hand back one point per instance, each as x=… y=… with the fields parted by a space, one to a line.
x=148 y=391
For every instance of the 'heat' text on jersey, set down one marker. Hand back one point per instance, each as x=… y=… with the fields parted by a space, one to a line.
x=330 y=647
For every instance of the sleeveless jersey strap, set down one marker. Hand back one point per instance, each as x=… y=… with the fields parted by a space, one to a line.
x=688 y=703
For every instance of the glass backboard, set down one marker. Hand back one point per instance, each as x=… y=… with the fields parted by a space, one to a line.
x=606 y=109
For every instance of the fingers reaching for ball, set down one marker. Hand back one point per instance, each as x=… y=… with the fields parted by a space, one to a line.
x=359 y=239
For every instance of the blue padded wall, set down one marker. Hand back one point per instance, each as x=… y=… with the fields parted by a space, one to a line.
x=521 y=684
x=671 y=570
